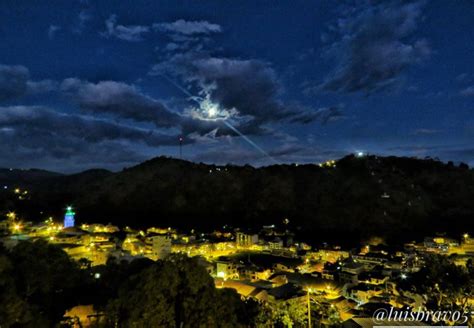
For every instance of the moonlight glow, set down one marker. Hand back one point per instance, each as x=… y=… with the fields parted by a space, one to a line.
x=209 y=110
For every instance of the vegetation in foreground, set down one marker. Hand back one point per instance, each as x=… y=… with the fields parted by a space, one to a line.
x=39 y=282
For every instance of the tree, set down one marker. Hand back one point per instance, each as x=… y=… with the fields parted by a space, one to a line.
x=176 y=292
x=13 y=309
x=446 y=285
x=43 y=283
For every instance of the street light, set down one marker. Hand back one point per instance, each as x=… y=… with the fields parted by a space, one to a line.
x=309 y=290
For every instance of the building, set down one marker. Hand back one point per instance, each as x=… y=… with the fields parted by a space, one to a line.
x=161 y=246
x=227 y=269
x=468 y=244
x=69 y=218
x=362 y=293
x=373 y=278
x=277 y=243
x=253 y=273
x=246 y=240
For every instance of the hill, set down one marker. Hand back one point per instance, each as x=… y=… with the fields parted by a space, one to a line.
x=392 y=197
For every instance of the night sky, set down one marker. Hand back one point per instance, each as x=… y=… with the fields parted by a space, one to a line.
x=109 y=84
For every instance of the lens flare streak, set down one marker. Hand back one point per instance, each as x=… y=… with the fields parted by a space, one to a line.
x=257 y=147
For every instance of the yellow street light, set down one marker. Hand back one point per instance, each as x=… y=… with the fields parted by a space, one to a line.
x=308 y=291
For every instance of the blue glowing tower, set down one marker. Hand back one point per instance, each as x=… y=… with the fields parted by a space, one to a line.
x=69 y=217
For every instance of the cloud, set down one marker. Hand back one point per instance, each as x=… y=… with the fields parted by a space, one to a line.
x=41 y=121
x=39 y=136
x=81 y=21
x=248 y=92
x=119 y=99
x=376 y=45
x=52 y=31
x=188 y=27
x=248 y=88
x=468 y=92
x=424 y=131
x=324 y=115
x=132 y=33
x=43 y=86
x=463 y=77
x=15 y=83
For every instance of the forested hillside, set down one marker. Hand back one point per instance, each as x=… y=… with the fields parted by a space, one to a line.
x=397 y=198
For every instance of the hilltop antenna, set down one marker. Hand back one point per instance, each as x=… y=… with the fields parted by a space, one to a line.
x=180 y=147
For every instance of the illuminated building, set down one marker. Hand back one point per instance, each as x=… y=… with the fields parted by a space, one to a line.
x=161 y=246
x=468 y=244
x=69 y=217
x=227 y=269
x=246 y=240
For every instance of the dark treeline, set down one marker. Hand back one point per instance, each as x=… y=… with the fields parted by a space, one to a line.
x=397 y=198
x=39 y=282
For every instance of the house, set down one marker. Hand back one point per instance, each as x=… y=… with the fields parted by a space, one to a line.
x=286 y=292
x=374 y=277
x=227 y=269
x=253 y=272
x=282 y=267
x=278 y=280
x=362 y=293
x=345 y=307
x=371 y=258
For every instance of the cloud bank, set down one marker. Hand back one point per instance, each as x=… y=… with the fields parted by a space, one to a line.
x=376 y=45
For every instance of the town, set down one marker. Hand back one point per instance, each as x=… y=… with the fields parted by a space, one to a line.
x=268 y=265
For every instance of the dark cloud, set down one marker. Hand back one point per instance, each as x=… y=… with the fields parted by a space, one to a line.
x=41 y=137
x=323 y=115
x=188 y=27
x=15 y=83
x=250 y=87
x=376 y=45
x=41 y=122
x=133 y=33
x=119 y=99
x=66 y=154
